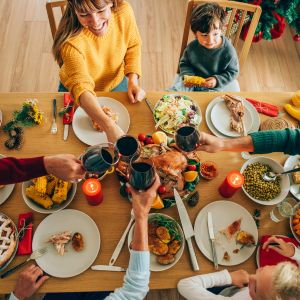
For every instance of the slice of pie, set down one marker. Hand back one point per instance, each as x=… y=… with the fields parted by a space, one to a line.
x=7 y=239
x=232 y=229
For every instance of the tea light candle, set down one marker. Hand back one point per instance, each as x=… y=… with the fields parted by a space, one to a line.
x=92 y=191
x=233 y=181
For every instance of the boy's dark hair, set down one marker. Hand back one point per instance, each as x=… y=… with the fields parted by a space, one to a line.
x=205 y=16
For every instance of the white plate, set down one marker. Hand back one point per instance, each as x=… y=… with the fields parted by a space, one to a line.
x=154 y=265
x=6 y=190
x=224 y=213
x=249 y=106
x=56 y=207
x=289 y=164
x=82 y=123
x=72 y=263
x=221 y=116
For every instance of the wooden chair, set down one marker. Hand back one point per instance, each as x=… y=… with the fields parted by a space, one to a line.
x=243 y=10
x=50 y=6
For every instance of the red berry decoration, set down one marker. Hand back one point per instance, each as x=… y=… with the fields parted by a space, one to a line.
x=162 y=189
x=142 y=137
x=149 y=140
x=192 y=167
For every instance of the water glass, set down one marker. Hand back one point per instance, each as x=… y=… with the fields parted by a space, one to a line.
x=128 y=146
x=141 y=173
x=100 y=158
x=283 y=210
x=187 y=138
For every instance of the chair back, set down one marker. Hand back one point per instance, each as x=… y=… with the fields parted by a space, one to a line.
x=51 y=8
x=238 y=14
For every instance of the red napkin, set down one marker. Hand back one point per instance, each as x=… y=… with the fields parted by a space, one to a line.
x=68 y=101
x=25 y=242
x=271 y=257
x=264 y=108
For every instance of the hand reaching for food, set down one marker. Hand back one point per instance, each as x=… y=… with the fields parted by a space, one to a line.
x=283 y=248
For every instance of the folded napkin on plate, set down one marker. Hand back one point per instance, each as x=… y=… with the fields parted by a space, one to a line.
x=25 y=233
x=264 y=108
x=271 y=257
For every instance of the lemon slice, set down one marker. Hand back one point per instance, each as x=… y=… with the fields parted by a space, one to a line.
x=157 y=203
x=190 y=176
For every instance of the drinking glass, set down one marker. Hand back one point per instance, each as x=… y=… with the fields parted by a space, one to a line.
x=128 y=146
x=100 y=159
x=283 y=210
x=187 y=138
x=141 y=173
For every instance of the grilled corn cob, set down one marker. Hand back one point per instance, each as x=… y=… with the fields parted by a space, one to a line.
x=40 y=184
x=51 y=184
x=41 y=199
x=193 y=80
x=60 y=192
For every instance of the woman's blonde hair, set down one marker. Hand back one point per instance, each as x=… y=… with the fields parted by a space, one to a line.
x=286 y=282
x=69 y=25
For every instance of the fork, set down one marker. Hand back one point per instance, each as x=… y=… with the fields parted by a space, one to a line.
x=34 y=255
x=54 y=125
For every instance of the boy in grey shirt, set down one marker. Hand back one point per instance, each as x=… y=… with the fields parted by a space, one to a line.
x=211 y=55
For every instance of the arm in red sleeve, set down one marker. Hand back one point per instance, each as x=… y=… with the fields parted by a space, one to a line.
x=13 y=170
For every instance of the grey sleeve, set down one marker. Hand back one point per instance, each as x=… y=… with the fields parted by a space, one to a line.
x=185 y=66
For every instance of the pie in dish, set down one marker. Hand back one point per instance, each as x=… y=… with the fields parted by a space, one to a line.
x=7 y=239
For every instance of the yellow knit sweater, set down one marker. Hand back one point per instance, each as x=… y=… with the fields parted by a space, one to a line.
x=92 y=63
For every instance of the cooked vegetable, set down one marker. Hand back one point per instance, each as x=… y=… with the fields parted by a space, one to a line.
x=60 y=192
x=41 y=199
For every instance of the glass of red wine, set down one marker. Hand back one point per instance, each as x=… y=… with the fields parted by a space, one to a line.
x=128 y=146
x=141 y=173
x=100 y=159
x=187 y=138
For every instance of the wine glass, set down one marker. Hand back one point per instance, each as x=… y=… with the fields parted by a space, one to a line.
x=187 y=138
x=128 y=146
x=100 y=158
x=141 y=173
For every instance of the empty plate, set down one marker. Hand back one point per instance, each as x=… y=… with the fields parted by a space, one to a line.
x=221 y=116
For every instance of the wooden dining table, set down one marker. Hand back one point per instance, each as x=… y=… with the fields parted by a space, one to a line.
x=113 y=214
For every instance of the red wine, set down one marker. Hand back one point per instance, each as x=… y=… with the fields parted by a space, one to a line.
x=141 y=167
x=127 y=146
x=142 y=175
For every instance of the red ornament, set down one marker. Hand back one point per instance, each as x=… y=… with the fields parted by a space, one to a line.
x=296 y=37
x=278 y=28
x=256 y=38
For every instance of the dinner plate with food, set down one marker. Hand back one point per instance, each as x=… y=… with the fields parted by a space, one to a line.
x=91 y=133
x=73 y=242
x=174 y=111
x=5 y=190
x=165 y=239
x=236 y=233
x=176 y=169
x=237 y=126
x=8 y=241
x=291 y=163
x=48 y=194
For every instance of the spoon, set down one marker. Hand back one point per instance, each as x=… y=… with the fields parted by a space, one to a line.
x=271 y=176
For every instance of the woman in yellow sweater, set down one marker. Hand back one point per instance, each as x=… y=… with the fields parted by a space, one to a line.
x=98 y=48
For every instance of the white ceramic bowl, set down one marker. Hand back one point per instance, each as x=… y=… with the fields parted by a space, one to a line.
x=297 y=237
x=277 y=168
x=57 y=207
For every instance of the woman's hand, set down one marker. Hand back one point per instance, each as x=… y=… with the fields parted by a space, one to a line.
x=283 y=248
x=210 y=82
x=240 y=278
x=135 y=93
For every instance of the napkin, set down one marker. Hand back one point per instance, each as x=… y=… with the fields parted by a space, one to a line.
x=25 y=233
x=271 y=257
x=264 y=108
x=68 y=116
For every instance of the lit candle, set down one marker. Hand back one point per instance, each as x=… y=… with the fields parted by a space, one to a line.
x=233 y=181
x=92 y=191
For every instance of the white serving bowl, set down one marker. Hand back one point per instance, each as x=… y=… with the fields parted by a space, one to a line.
x=56 y=207
x=277 y=168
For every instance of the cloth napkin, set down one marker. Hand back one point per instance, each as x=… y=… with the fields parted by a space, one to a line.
x=271 y=257
x=25 y=241
x=68 y=101
x=264 y=108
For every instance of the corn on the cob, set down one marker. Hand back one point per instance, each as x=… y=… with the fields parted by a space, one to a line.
x=41 y=184
x=42 y=199
x=60 y=192
x=51 y=184
x=193 y=80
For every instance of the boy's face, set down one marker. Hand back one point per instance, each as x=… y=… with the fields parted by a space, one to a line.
x=211 y=39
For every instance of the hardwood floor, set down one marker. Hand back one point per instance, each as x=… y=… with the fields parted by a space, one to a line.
x=27 y=64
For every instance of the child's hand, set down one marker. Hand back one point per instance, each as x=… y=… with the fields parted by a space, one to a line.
x=283 y=248
x=210 y=82
x=240 y=278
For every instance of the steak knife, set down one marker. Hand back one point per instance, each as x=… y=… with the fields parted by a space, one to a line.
x=212 y=238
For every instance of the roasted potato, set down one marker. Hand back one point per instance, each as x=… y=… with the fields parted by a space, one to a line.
x=163 y=234
x=165 y=259
x=158 y=247
x=174 y=246
x=152 y=229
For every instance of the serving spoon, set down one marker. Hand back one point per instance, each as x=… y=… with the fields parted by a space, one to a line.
x=271 y=176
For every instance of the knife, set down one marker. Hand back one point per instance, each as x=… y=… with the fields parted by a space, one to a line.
x=212 y=238
x=107 y=268
x=149 y=105
x=187 y=228
x=68 y=116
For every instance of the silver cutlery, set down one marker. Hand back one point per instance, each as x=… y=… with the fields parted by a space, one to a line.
x=107 y=268
x=34 y=255
x=271 y=176
x=187 y=228
x=54 y=125
x=212 y=239
x=121 y=241
x=149 y=105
